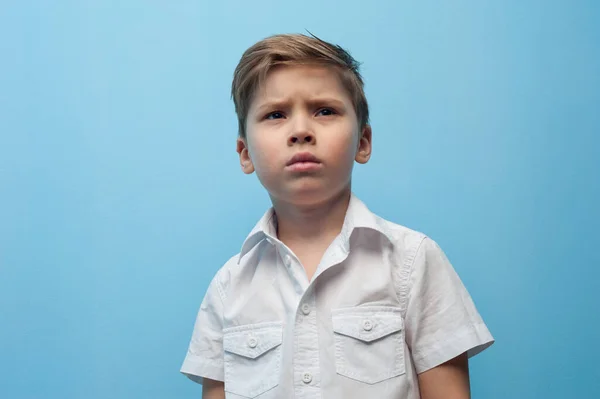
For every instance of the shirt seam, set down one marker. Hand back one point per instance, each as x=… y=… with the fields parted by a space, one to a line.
x=222 y=296
x=220 y=290
x=406 y=274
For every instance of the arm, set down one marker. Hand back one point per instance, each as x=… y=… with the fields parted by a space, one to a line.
x=449 y=380
x=212 y=389
x=204 y=361
x=442 y=325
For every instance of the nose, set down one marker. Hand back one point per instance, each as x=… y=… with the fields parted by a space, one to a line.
x=301 y=134
x=301 y=138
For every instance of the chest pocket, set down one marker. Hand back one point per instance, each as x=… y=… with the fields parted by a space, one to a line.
x=369 y=343
x=252 y=358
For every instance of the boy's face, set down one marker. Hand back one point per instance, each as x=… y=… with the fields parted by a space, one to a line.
x=302 y=135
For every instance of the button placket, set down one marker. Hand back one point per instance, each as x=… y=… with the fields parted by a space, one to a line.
x=306 y=347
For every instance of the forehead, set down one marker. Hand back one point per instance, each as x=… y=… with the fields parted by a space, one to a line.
x=301 y=81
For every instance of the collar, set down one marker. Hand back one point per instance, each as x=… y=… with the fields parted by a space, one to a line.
x=357 y=216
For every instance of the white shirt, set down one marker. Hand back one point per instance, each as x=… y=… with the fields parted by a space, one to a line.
x=384 y=305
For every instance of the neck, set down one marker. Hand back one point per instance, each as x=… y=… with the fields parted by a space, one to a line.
x=311 y=223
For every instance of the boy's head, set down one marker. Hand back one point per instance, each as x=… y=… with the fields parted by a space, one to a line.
x=295 y=49
x=303 y=117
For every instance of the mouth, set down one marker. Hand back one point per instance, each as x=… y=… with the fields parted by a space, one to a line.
x=303 y=162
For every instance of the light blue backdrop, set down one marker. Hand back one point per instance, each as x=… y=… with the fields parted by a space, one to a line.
x=121 y=195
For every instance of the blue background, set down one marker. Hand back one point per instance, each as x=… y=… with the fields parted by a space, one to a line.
x=121 y=194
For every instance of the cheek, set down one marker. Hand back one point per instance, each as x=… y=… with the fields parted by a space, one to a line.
x=263 y=155
x=344 y=146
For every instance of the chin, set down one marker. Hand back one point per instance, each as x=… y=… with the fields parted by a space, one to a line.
x=308 y=194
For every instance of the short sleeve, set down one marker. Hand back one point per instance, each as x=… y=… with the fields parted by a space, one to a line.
x=204 y=358
x=441 y=319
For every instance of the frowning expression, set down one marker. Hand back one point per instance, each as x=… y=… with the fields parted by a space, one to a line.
x=302 y=134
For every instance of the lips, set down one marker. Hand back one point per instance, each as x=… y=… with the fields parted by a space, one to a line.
x=304 y=162
x=303 y=157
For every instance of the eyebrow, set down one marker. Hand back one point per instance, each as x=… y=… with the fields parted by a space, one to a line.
x=278 y=104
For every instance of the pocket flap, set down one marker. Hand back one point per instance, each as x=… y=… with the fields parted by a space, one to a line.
x=367 y=323
x=253 y=340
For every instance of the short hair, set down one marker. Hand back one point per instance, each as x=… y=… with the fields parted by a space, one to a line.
x=294 y=49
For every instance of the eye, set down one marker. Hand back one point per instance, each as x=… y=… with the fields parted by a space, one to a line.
x=326 y=112
x=274 y=115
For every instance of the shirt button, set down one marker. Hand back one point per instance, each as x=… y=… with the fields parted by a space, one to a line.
x=252 y=342
x=367 y=325
x=288 y=260
x=306 y=309
x=307 y=378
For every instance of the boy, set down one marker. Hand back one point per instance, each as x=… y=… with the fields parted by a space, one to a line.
x=325 y=299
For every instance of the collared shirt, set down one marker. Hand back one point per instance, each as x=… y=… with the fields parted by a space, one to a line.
x=384 y=305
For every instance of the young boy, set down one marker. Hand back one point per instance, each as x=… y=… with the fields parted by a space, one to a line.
x=325 y=299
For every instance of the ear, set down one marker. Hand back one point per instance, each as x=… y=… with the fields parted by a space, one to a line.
x=363 y=152
x=245 y=161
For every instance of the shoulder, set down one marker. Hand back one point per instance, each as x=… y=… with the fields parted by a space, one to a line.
x=404 y=240
x=222 y=278
x=413 y=248
x=411 y=251
x=239 y=269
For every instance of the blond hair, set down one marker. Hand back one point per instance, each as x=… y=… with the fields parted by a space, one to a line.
x=294 y=49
